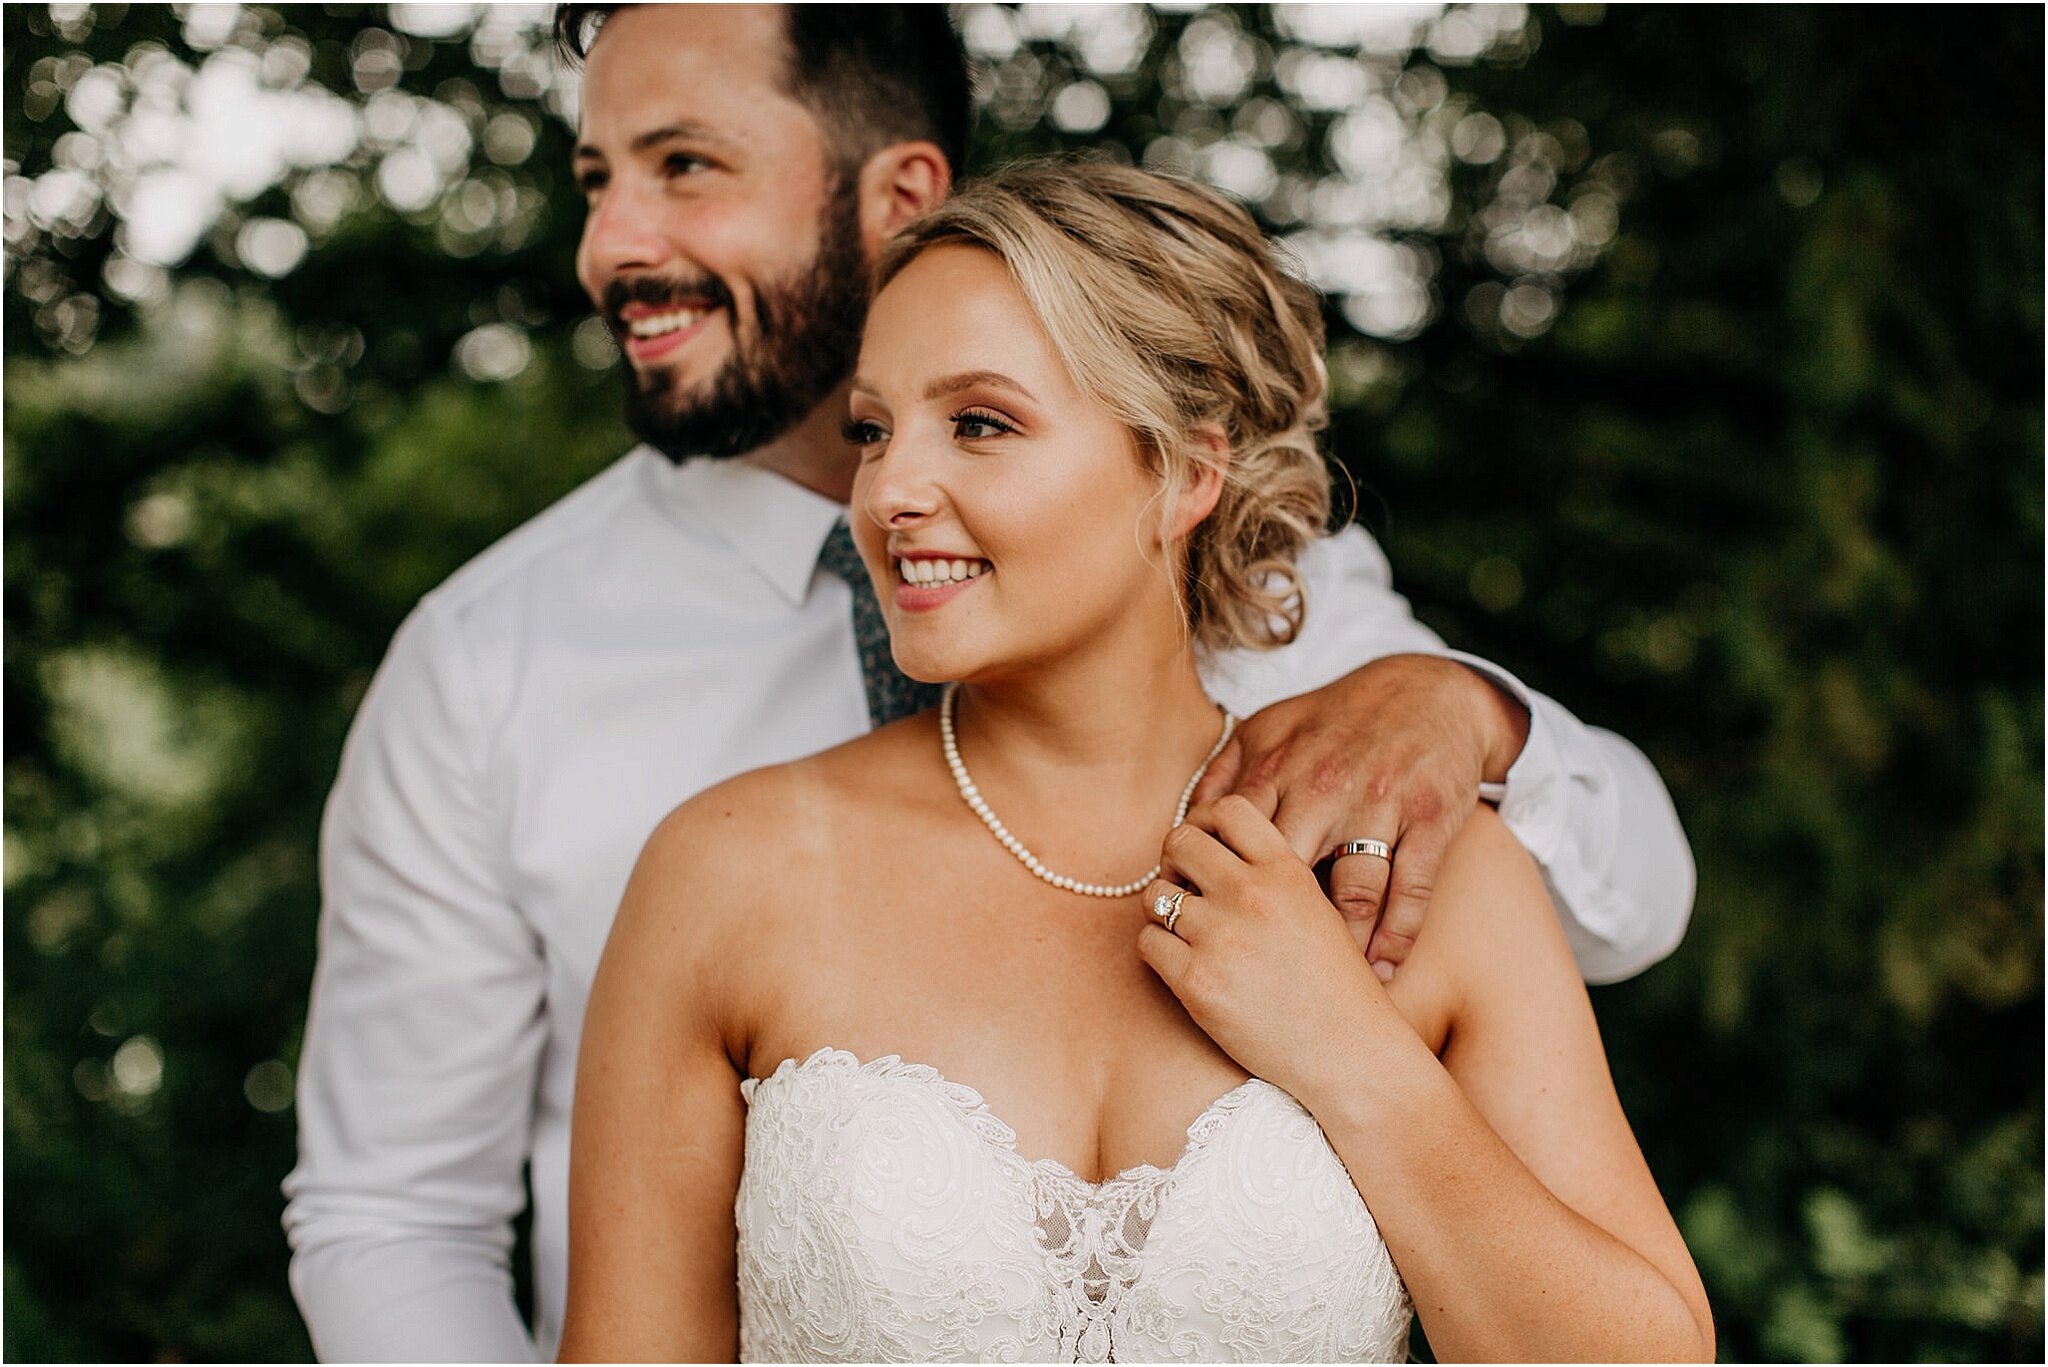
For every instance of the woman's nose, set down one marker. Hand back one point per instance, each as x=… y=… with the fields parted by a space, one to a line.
x=902 y=489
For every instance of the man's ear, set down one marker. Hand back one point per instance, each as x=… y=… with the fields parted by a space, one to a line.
x=1198 y=499
x=897 y=184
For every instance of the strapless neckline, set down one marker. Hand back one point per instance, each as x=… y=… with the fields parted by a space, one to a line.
x=885 y=1215
x=982 y=1120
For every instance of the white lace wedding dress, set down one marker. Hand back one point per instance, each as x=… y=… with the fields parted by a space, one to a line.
x=886 y=1216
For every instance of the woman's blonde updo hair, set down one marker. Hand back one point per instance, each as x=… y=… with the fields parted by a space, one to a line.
x=1170 y=308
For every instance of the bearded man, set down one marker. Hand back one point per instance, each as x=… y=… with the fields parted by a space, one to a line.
x=696 y=610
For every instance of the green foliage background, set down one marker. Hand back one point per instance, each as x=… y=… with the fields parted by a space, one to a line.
x=1764 y=494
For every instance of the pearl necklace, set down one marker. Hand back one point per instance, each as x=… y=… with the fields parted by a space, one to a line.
x=973 y=798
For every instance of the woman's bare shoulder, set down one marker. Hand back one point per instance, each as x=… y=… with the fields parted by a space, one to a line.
x=1490 y=925
x=747 y=839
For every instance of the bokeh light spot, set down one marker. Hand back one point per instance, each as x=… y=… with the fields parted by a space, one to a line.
x=509 y=138
x=592 y=344
x=268 y=1086
x=1479 y=139
x=493 y=352
x=1799 y=181
x=271 y=246
x=1528 y=309
x=160 y=520
x=1082 y=107
x=138 y=1067
x=89 y=1076
x=1496 y=583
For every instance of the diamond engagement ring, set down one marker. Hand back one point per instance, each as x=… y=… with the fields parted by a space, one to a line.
x=1166 y=906
x=1378 y=849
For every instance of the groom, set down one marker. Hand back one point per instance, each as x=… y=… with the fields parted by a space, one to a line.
x=693 y=612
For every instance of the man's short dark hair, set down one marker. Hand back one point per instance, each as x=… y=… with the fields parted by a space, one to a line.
x=874 y=75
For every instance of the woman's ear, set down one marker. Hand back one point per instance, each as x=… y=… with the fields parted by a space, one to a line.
x=902 y=182
x=1198 y=498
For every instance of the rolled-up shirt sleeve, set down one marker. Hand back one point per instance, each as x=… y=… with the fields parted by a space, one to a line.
x=1591 y=810
x=1586 y=804
x=417 y=1076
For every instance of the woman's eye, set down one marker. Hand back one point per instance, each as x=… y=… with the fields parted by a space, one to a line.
x=975 y=426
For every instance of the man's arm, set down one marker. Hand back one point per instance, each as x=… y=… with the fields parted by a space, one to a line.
x=1393 y=744
x=416 y=1081
x=660 y=1123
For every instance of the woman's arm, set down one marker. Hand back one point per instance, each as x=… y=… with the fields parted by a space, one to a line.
x=1503 y=1177
x=659 y=1126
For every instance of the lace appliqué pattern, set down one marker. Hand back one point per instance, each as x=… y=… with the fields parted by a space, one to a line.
x=885 y=1215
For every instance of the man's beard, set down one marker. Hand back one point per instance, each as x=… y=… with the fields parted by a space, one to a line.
x=807 y=334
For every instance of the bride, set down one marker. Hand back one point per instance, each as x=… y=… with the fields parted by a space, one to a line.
x=906 y=1050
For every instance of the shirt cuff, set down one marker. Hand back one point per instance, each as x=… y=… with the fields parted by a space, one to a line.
x=1531 y=801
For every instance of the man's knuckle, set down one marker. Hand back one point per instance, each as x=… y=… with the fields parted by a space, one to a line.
x=1393 y=943
x=1356 y=902
x=1330 y=776
x=1413 y=897
x=1268 y=765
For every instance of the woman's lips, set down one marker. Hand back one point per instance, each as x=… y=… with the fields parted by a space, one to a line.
x=925 y=597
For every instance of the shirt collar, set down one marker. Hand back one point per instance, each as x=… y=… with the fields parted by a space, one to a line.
x=773 y=523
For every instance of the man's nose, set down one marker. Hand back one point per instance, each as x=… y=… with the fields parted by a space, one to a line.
x=622 y=233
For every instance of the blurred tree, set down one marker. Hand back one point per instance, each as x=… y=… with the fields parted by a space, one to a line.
x=1689 y=362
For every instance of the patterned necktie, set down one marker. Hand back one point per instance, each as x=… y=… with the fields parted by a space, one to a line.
x=890 y=693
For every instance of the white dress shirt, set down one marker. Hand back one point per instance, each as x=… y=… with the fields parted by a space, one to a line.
x=657 y=631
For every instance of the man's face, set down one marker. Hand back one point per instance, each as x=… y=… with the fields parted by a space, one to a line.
x=722 y=244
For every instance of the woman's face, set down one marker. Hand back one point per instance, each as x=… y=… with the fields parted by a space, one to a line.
x=1003 y=513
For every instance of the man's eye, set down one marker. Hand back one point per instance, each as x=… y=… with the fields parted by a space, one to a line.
x=590 y=182
x=860 y=432
x=976 y=426
x=682 y=164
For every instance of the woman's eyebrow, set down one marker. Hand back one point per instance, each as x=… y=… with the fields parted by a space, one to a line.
x=951 y=384
x=967 y=379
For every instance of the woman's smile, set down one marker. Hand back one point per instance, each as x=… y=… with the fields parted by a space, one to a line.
x=929 y=579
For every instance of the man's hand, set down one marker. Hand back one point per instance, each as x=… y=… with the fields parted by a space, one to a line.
x=1393 y=752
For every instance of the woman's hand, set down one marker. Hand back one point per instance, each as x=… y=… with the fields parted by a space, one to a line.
x=1395 y=751
x=1259 y=957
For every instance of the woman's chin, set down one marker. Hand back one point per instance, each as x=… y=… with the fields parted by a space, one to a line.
x=957 y=666
x=926 y=667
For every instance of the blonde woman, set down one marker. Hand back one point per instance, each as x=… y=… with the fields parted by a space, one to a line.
x=909 y=1051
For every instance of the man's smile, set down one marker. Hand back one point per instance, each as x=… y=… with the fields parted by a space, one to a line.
x=649 y=333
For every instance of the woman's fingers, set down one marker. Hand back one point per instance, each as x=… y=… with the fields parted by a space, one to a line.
x=1243 y=828
x=1193 y=857
x=1168 y=955
x=1176 y=909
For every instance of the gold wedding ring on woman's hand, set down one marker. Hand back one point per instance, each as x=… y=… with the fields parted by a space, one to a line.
x=1166 y=906
x=1378 y=849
